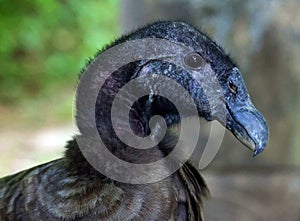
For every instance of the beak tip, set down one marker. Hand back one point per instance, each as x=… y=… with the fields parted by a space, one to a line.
x=258 y=151
x=263 y=141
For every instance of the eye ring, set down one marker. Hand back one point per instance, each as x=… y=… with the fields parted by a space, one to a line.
x=194 y=60
x=232 y=87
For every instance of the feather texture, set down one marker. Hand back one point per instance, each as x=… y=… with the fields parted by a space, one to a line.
x=59 y=190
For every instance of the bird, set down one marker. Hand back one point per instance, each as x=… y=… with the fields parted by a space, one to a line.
x=71 y=188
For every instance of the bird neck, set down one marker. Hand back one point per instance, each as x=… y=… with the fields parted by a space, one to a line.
x=140 y=113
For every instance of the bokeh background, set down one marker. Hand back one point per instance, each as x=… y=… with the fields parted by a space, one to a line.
x=45 y=44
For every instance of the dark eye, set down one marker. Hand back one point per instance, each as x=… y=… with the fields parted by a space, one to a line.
x=232 y=87
x=194 y=60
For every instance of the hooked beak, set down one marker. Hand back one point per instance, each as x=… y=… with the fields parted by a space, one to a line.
x=249 y=127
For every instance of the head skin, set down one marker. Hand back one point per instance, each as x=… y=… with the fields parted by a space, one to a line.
x=244 y=121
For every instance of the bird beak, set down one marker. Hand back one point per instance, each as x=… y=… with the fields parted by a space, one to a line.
x=249 y=127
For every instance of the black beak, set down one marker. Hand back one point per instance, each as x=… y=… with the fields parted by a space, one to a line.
x=248 y=126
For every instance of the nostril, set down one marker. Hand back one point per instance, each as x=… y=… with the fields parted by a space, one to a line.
x=232 y=87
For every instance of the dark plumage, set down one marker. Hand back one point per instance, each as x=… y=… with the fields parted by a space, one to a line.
x=71 y=189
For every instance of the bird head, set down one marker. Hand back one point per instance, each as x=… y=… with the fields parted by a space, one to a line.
x=239 y=114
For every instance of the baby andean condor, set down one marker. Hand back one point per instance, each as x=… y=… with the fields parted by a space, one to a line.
x=70 y=188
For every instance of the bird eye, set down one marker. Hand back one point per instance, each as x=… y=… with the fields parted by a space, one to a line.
x=194 y=60
x=232 y=87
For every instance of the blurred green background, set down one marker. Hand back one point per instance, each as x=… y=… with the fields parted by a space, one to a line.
x=44 y=45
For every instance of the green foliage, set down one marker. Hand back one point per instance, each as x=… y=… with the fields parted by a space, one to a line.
x=45 y=43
